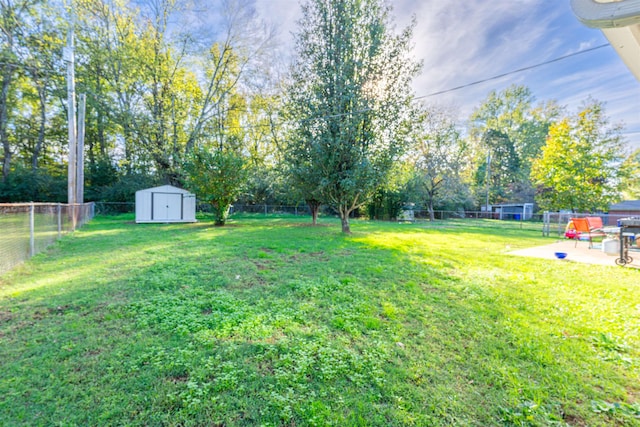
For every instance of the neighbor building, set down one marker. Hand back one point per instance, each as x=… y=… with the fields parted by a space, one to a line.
x=626 y=208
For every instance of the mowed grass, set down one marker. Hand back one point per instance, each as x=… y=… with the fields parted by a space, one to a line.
x=272 y=322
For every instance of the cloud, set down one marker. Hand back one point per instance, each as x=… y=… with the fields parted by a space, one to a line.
x=462 y=41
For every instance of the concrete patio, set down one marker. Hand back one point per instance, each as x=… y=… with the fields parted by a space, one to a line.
x=580 y=253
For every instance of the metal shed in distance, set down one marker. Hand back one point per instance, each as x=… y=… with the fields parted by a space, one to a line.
x=165 y=204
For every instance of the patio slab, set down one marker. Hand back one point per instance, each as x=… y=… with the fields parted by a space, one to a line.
x=581 y=253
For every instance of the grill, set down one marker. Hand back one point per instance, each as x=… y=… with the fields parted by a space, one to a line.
x=629 y=227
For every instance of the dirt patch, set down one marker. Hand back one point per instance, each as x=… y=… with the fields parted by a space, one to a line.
x=51 y=311
x=5 y=316
x=262 y=266
x=573 y=420
x=318 y=256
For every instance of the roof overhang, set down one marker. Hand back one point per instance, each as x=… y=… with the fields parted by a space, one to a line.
x=619 y=20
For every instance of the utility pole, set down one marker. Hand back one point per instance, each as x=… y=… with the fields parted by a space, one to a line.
x=80 y=157
x=488 y=182
x=71 y=112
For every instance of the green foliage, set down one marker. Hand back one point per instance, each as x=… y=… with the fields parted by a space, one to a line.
x=100 y=176
x=216 y=177
x=153 y=93
x=510 y=130
x=125 y=187
x=385 y=204
x=617 y=410
x=350 y=100
x=437 y=158
x=579 y=165
x=30 y=44
x=630 y=177
x=266 y=185
x=29 y=185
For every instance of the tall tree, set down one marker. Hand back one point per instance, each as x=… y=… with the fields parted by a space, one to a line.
x=15 y=19
x=350 y=99
x=580 y=163
x=173 y=83
x=508 y=130
x=630 y=176
x=217 y=177
x=42 y=64
x=438 y=158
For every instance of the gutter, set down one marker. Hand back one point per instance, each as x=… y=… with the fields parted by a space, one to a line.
x=607 y=15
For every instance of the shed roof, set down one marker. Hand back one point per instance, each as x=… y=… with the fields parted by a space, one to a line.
x=627 y=205
x=165 y=189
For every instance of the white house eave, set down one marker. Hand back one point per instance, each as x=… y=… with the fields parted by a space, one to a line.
x=611 y=14
x=626 y=41
x=620 y=23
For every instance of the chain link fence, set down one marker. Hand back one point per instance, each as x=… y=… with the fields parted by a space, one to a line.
x=475 y=218
x=269 y=209
x=549 y=223
x=114 y=208
x=28 y=228
x=555 y=223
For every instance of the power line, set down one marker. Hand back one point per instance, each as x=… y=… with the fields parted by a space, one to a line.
x=519 y=70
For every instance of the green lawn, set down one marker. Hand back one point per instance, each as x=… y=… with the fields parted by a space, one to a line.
x=271 y=322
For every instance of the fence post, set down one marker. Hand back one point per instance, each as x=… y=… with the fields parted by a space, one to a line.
x=265 y=209
x=59 y=221
x=73 y=216
x=559 y=222
x=521 y=218
x=32 y=235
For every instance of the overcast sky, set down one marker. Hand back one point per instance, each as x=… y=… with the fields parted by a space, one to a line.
x=464 y=41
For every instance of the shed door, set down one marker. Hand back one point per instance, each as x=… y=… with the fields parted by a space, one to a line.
x=166 y=206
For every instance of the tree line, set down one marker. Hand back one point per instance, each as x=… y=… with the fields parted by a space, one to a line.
x=198 y=94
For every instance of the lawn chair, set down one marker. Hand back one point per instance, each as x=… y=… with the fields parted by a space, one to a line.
x=589 y=227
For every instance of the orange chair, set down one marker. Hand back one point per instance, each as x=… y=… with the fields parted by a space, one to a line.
x=595 y=223
x=589 y=227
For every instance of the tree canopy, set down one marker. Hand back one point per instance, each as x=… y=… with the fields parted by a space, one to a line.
x=350 y=100
x=437 y=158
x=579 y=165
x=508 y=131
x=169 y=81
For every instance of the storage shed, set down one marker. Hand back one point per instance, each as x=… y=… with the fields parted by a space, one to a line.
x=165 y=204
x=515 y=211
x=626 y=208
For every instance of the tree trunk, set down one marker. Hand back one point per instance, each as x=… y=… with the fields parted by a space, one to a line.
x=221 y=212
x=344 y=218
x=431 y=212
x=43 y=121
x=314 y=207
x=128 y=146
x=6 y=161
x=102 y=142
x=4 y=95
